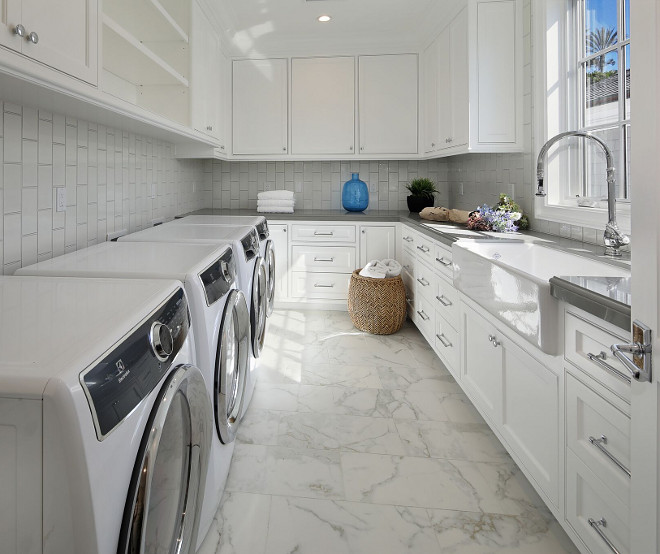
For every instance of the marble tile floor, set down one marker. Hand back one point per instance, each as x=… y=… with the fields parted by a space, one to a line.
x=356 y=443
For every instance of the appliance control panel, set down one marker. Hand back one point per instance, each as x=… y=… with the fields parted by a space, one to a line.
x=219 y=277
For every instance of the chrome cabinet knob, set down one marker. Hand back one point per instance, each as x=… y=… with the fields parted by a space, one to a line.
x=20 y=31
x=33 y=37
x=350 y=148
x=284 y=149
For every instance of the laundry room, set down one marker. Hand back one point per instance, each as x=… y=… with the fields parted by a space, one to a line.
x=329 y=276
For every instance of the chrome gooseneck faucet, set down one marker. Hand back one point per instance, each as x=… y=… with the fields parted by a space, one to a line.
x=613 y=238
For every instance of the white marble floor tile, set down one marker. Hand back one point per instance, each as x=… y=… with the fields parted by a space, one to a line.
x=361 y=377
x=456 y=441
x=428 y=405
x=240 y=526
x=286 y=471
x=413 y=377
x=259 y=427
x=303 y=526
x=275 y=396
x=479 y=533
x=340 y=432
x=338 y=400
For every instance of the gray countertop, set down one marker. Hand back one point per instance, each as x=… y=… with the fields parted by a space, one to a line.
x=604 y=297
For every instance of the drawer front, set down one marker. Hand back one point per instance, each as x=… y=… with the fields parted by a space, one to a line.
x=446 y=343
x=408 y=239
x=588 y=347
x=446 y=301
x=425 y=281
x=425 y=317
x=442 y=261
x=587 y=498
x=424 y=249
x=589 y=418
x=324 y=259
x=408 y=261
x=323 y=233
x=329 y=286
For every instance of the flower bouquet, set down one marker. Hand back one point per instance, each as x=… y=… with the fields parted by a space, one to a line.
x=505 y=217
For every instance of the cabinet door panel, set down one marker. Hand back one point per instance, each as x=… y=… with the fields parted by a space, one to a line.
x=460 y=119
x=377 y=243
x=260 y=106
x=444 y=97
x=430 y=96
x=279 y=236
x=323 y=105
x=68 y=35
x=388 y=104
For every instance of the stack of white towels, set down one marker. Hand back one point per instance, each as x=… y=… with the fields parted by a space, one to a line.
x=380 y=269
x=275 y=202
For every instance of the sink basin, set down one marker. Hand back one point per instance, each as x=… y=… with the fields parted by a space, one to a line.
x=511 y=281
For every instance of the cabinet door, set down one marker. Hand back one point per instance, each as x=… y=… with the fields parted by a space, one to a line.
x=279 y=236
x=260 y=106
x=323 y=105
x=377 y=243
x=388 y=104
x=430 y=96
x=68 y=35
x=445 y=93
x=459 y=80
x=10 y=16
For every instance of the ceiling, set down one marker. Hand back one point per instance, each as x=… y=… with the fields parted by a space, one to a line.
x=263 y=27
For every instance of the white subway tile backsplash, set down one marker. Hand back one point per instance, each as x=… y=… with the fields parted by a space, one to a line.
x=29 y=249
x=13 y=137
x=30 y=124
x=12 y=188
x=45 y=232
x=29 y=211
x=12 y=238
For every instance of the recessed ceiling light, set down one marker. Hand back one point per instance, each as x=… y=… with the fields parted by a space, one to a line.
x=324 y=18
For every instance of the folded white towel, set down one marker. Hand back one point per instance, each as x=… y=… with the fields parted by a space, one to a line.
x=393 y=267
x=274 y=210
x=275 y=195
x=374 y=269
x=279 y=203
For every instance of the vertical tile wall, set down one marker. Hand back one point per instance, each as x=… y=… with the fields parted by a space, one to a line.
x=317 y=185
x=109 y=177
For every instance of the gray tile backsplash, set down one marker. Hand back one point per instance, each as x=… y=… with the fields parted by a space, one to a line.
x=113 y=180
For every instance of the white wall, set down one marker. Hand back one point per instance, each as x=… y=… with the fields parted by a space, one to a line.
x=108 y=176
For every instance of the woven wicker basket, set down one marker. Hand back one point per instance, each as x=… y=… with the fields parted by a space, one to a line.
x=377 y=306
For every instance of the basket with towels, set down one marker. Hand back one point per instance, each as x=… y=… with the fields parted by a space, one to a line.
x=275 y=202
x=377 y=297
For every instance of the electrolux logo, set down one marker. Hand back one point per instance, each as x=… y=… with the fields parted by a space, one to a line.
x=122 y=371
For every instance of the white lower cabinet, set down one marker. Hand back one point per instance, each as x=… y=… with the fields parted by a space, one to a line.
x=319 y=286
x=377 y=242
x=279 y=234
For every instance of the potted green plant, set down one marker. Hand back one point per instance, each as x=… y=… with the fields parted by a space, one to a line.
x=421 y=190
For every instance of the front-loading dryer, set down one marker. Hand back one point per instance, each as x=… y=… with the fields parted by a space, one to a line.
x=105 y=418
x=220 y=323
x=266 y=247
x=250 y=268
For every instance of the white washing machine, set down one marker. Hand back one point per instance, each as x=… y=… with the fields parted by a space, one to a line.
x=266 y=248
x=105 y=419
x=249 y=265
x=220 y=323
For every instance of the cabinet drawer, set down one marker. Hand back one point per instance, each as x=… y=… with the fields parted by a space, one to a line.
x=446 y=343
x=424 y=249
x=327 y=259
x=425 y=281
x=330 y=286
x=588 y=347
x=323 y=233
x=443 y=261
x=587 y=498
x=408 y=261
x=446 y=301
x=425 y=317
x=589 y=418
x=408 y=239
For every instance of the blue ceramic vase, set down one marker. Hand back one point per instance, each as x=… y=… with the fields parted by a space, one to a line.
x=355 y=194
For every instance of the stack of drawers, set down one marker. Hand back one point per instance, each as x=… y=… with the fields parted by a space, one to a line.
x=597 y=435
x=322 y=260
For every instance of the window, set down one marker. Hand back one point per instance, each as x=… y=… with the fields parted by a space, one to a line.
x=603 y=95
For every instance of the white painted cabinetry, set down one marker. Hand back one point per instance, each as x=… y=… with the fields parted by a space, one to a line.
x=377 y=242
x=388 y=104
x=62 y=35
x=259 y=102
x=323 y=105
x=279 y=234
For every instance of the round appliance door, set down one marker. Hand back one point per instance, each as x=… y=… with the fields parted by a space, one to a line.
x=167 y=486
x=231 y=366
x=259 y=307
x=269 y=260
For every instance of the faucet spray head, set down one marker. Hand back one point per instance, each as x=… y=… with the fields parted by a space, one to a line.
x=540 y=191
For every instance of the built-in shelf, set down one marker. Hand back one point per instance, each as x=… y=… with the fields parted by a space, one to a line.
x=163 y=25
x=130 y=59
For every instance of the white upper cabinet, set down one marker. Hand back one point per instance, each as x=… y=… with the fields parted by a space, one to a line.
x=62 y=34
x=473 y=81
x=260 y=106
x=209 y=78
x=388 y=104
x=323 y=105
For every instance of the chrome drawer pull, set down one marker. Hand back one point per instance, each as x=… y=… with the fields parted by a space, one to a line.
x=444 y=300
x=596 y=525
x=317 y=234
x=598 y=443
x=600 y=360
x=408 y=239
x=424 y=249
x=323 y=259
x=445 y=342
x=423 y=282
x=494 y=341
x=406 y=267
x=322 y=286
x=443 y=261
x=423 y=315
